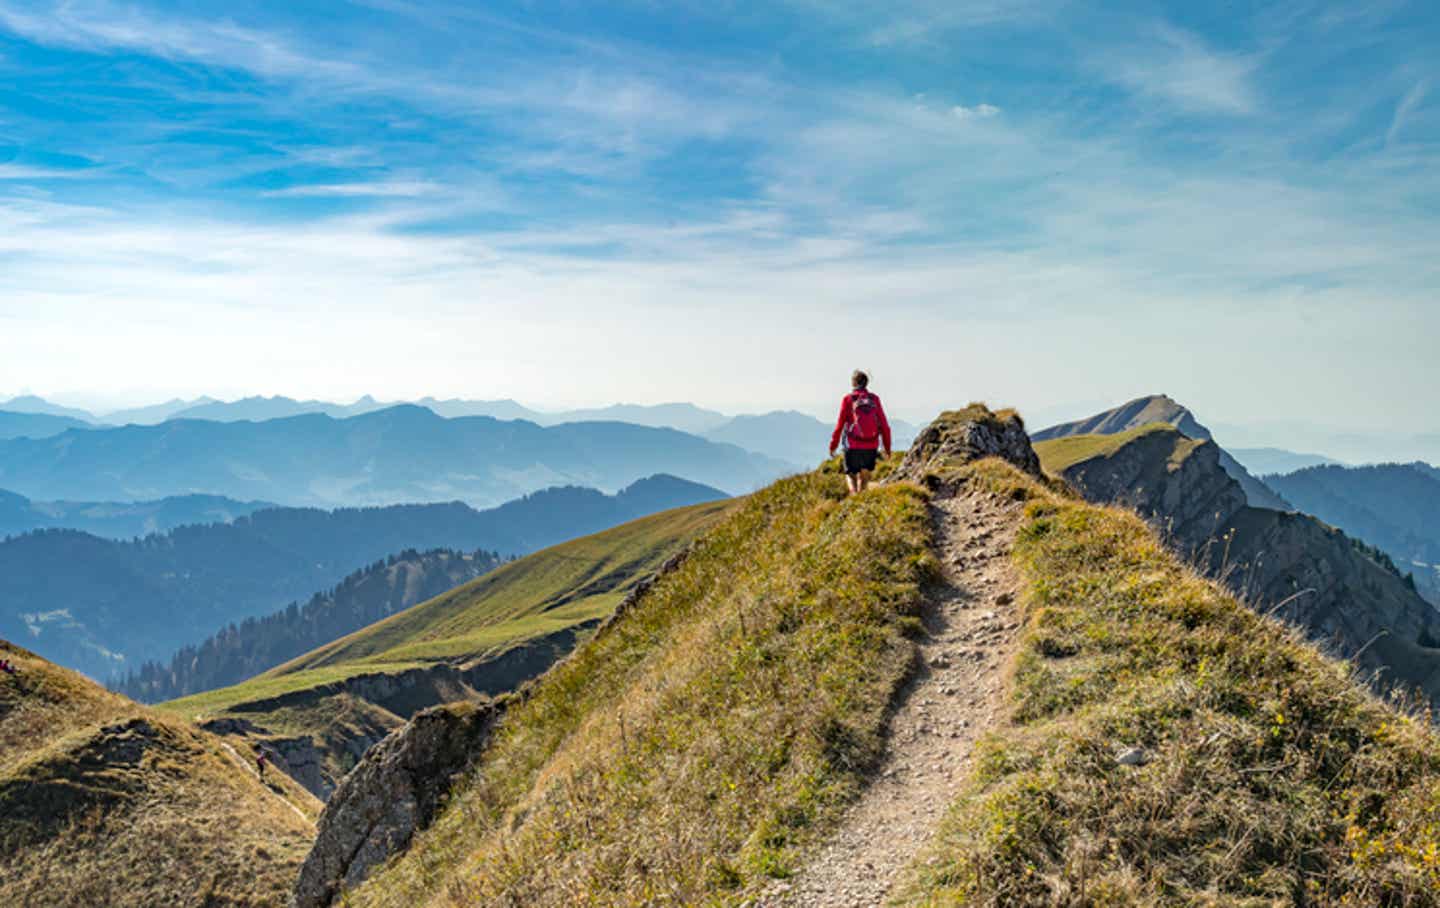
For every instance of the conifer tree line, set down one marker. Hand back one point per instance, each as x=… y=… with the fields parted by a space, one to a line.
x=243 y=650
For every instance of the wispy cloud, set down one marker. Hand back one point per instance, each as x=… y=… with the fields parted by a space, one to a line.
x=22 y=172
x=392 y=189
x=1179 y=69
x=1412 y=99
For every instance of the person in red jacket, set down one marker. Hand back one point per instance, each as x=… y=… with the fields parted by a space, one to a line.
x=862 y=427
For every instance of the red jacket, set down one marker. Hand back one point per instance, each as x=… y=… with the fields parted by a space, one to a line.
x=847 y=415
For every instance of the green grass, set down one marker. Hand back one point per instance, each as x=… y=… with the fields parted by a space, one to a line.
x=1275 y=778
x=689 y=752
x=558 y=588
x=86 y=820
x=1060 y=454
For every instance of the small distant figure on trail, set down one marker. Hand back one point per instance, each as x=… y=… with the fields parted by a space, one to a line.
x=260 y=762
x=8 y=668
x=861 y=428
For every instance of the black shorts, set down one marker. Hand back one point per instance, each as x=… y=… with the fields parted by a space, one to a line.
x=858 y=461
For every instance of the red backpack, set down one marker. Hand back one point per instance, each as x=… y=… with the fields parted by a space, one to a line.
x=864 y=418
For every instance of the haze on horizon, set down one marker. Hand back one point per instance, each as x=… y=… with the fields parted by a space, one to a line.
x=1054 y=205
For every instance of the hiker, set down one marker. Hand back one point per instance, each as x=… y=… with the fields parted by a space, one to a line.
x=260 y=762
x=7 y=668
x=862 y=428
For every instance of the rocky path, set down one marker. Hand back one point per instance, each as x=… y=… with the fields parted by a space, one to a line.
x=244 y=765
x=972 y=621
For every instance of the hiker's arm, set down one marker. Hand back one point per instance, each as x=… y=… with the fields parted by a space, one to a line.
x=884 y=426
x=840 y=424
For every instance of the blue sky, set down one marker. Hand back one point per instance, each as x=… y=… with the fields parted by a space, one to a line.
x=1059 y=205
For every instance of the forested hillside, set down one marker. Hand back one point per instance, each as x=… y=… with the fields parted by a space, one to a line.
x=254 y=645
x=104 y=606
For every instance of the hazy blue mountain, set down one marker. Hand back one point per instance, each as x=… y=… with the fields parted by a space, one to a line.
x=29 y=403
x=787 y=435
x=154 y=413
x=118 y=519
x=103 y=606
x=682 y=416
x=791 y=436
x=36 y=425
x=1265 y=461
x=1158 y=408
x=1426 y=468
x=1393 y=506
x=403 y=453
x=496 y=409
x=257 y=409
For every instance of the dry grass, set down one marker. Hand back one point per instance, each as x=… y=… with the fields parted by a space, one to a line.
x=1060 y=454
x=1275 y=778
x=103 y=802
x=686 y=754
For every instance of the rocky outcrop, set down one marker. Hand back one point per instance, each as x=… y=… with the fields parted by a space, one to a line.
x=396 y=791
x=960 y=436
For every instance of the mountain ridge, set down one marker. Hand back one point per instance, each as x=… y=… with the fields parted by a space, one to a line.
x=402 y=453
x=1309 y=573
x=1160 y=408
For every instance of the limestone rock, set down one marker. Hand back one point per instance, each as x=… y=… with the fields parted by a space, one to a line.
x=396 y=791
x=960 y=436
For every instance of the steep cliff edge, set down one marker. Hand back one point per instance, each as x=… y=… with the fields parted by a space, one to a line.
x=1159 y=409
x=1310 y=574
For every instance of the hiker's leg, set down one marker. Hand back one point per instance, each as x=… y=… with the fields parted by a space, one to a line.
x=850 y=482
x=862 y=482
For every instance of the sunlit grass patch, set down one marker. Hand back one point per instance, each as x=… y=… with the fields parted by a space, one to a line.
x=1271 y=776
x=688 y=753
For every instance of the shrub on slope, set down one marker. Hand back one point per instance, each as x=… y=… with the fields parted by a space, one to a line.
x=693 y=745
x=1273 y=776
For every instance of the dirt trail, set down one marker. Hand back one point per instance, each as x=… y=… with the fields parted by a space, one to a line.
x=245 y=765
x=972 y=621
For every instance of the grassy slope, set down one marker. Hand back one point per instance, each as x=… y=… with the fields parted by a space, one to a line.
x=87 y=818
x=1275 y=778
x=557 y=588
x=685 y=754
x=1060 y=454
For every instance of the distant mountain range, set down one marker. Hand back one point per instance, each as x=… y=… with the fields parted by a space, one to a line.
x=39 y=406
x=1264 y=462
x=1393 y=506
x=399 y=454
x=1158 y=408
x=118 y=519
x=103 y=606
x=796 y=438
x=682 y=416
x=36 y=425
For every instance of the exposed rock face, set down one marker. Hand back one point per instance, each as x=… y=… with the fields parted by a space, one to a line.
x=394 y=792
x=1175 y=483
x=960 y=436
x=1158 y=408
x=1309 y=573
